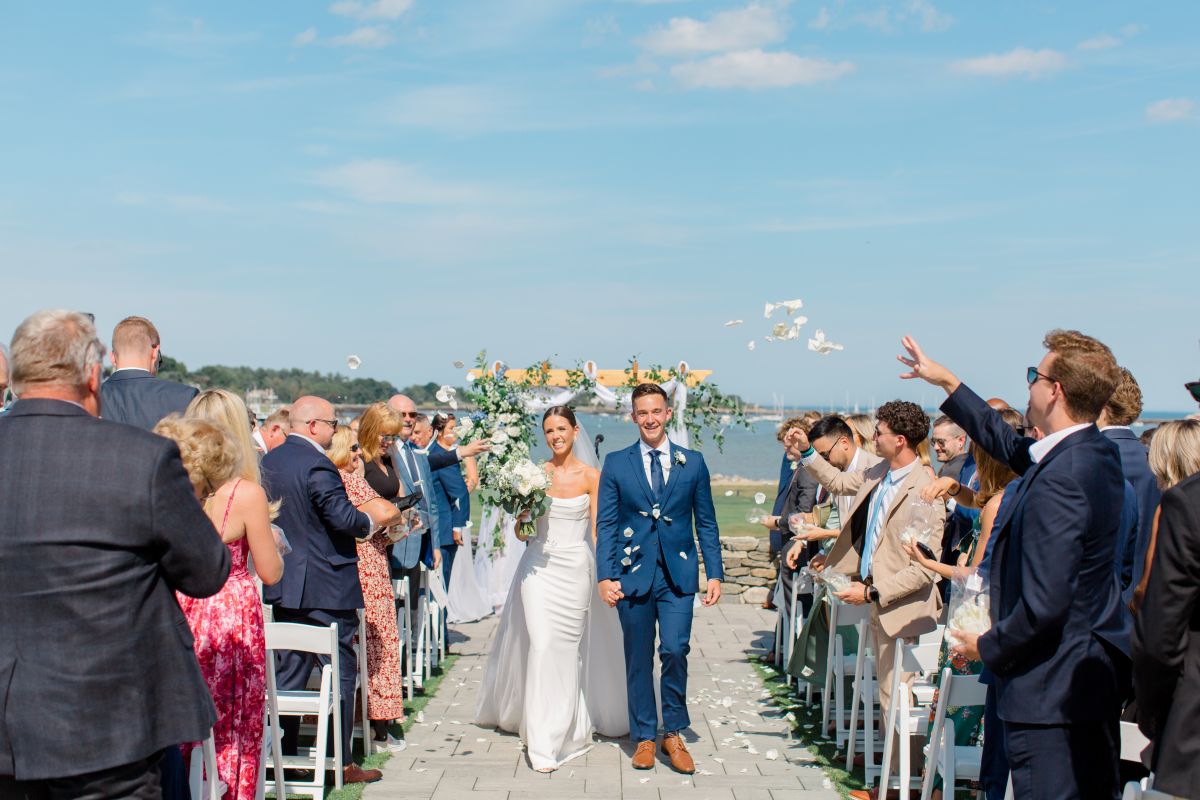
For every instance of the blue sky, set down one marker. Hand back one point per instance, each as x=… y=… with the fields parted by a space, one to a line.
x=411 y=181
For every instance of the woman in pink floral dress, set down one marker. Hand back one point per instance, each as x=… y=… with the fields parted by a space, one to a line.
x=385 y=688
x=228 y=627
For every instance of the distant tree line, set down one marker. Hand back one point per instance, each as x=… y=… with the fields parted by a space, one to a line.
x=289 y=384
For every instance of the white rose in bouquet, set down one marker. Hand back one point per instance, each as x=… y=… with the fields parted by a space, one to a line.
x=499 y=437
x=970 y=607
x=523 y=489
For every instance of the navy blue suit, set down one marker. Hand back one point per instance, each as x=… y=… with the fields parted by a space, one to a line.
x=136 y=397
x=647 y=543
x=453 y=503
x=320 y=582
x=1059 y=643
x=1135 y=464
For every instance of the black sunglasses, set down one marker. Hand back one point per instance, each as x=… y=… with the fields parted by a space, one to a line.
x=1194 y=388
x=333 y=423
x=1032 y=375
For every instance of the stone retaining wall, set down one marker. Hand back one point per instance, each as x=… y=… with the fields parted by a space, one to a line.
x=749 y=573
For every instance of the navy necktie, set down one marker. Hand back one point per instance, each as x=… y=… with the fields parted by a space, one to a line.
x=656 y=474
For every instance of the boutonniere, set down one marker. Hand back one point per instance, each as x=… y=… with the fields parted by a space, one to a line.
x=680 y=458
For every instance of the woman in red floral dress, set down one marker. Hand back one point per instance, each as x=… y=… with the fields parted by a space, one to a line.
x=228 y=627
x=385 y=687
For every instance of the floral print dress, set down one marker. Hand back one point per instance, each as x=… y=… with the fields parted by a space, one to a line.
x=229 y=644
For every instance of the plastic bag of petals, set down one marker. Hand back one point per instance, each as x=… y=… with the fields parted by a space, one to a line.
x=970 y=606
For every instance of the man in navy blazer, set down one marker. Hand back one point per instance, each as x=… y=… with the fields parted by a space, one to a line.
x=646 y=563
x=320 y=584
x=1059 y=641
x=1121 y=411
x=99 y=528
x=134 y=394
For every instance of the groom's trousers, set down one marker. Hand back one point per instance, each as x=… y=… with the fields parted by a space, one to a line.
x=669 y=610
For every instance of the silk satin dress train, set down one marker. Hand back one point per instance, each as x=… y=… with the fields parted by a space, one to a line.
x=556 y=673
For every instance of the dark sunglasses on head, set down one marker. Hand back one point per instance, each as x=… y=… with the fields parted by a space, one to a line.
x=1032 y=375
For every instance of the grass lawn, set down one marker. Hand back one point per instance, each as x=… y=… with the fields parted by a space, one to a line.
x=731 y=508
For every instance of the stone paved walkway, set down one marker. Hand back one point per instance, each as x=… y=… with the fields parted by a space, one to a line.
x=741 y=744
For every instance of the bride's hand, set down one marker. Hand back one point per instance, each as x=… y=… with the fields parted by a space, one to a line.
x=522 y=518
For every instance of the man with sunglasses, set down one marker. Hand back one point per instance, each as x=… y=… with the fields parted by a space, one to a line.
x=1059 y=642
x=320 y=584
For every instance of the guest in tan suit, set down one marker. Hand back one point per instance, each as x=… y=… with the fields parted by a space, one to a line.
x=903 y=596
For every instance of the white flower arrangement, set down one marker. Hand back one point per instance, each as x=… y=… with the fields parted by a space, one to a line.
x=970 y=608
x=523 y=489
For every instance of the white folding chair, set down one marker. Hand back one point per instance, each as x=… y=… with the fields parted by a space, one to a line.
x=839 y=666
x=942 y=756
x=791 y=623
x=864 y=697
x=905 y=720
x=363 y=730
x=400 y=592
x=202 y=776
x=325 y=704
x=272 y=736
x=1135 y=791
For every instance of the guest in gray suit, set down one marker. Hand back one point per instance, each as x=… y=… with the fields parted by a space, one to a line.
x=133 y=394
x=95 y=655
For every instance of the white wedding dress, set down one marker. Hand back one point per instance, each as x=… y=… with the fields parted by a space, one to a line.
x=556 y=672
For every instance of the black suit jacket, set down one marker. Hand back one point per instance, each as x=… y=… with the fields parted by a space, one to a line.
x=98 y=528
x=1135 y=464
x=1059 y=641
x=136 y=397
x=1166 y=644
x=321 y=525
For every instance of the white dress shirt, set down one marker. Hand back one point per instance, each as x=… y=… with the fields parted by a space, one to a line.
x=1039 y=450
x=318 y=447
x=664 y=459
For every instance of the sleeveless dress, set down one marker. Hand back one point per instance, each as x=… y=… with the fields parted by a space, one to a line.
x=228 y=629
x=556 y=672
x=385 y=688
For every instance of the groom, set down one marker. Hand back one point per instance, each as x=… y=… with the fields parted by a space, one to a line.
x=647 y=567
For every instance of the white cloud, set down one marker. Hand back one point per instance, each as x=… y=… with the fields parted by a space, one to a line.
x=1021 y=61
x=369 y=36
x=742 y=28
x=755 y=69
x=1132 y=29
x=383 y=181
x=1173 y=109
x=305 y=38
x=932 y=20
x=1102 y=42
x=821 y=21
x=379 y=9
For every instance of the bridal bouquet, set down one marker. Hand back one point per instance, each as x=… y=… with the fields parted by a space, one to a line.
x=970 y=607
x=523 y=489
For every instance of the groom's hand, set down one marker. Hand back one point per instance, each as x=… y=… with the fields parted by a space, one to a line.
x=713 y=596
x=610 y=592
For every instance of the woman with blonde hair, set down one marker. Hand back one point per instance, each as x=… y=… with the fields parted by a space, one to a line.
x=385 y=689
x=864 y=431
x=227 y=628
x=228 y=410
x=1174 y=455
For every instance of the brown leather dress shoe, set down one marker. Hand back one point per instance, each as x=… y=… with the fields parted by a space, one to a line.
x=356 y=774
x=677 y=751
x=643 y=757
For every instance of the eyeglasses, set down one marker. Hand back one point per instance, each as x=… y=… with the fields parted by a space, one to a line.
x=940 y=442
x=408 y=414
x=387 y=439
x=333 y=423
x=1032 y=375
x=354 y=448
x=1194 y=388
x=1025 y=430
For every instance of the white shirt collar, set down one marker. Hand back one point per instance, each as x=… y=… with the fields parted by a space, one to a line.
x=316 y=446
x=664 y=448
x=1039 y=450
x=130 y=369
x=1115 y=428
x=897 y=475
x=853 y=465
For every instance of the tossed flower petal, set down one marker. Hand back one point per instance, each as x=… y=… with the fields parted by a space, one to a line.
x=760 y=498
x=733 y=323
x=353 y=362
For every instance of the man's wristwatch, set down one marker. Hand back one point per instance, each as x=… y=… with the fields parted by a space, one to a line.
x=872 y=594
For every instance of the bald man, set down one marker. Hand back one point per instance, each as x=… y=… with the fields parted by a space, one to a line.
x=320 y=583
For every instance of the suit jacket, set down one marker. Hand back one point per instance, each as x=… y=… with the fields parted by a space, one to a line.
x=909 y=603
x=441 y=457
x=322 y=526
x=1059 y=641
x=99 y=527
x=451 y=497
x=800 y=496
x=1135 y=465
x=417 y=548
x=631 y=525
x=1166 y=644
x=136 y=397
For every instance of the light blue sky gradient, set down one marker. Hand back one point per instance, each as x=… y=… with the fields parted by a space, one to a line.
x=284 y=184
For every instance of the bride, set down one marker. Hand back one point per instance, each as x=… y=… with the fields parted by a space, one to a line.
x=556 y=672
